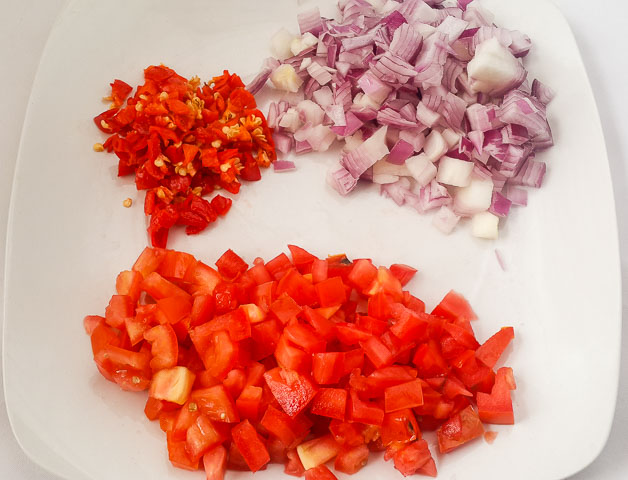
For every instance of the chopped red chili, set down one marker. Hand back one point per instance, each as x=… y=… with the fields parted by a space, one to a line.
x=183 y=140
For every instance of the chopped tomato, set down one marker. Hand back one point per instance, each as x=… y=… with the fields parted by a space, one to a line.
x=201 y=437
x=497 y=407
x=164 y=346
x=318 y=451
x=216 y=403
x=292 y=390
x=415 y=458
x=351 y=460
x=298 y=362
x=490 y=351
x=461 y=428
x=400 y=426
x=330 y=402
x=250 y=445
x=405 y=395
x=172 y=385
x=454 y=306
x=403 y=273
x=319 y=473
x=215 y=463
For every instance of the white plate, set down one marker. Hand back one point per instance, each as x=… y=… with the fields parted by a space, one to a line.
x=69 y=236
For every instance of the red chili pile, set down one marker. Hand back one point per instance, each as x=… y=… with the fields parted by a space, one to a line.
x=298 y=361
x=182 y=140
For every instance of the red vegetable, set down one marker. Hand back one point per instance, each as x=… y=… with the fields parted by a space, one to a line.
x=298 y=361
x=182 y=140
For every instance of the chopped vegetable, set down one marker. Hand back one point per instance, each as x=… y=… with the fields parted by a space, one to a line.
x=418 y=93
x=299 y=361
x=183 y=140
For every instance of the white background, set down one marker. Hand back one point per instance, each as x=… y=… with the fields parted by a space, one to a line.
x=599 y=29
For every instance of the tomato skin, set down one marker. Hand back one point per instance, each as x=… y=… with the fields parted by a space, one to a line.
x=296 y=286
x=278 y=266
x=248 y=403
x=175 y=308
x=377 y=352
x=330 y=402
x=250 y=445
x=300 y=256
x=362 y=274
x=352 y=460
x=320 y=473
x=319 y=270
x=405 y=395
x=231 y=265
x=175 y=265
x=285 y=308
x=328 y=368
x=331 y=292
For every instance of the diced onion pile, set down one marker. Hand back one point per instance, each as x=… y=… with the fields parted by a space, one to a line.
x=431 y=101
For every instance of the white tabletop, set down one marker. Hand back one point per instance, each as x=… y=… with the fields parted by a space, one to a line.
x=599 y=28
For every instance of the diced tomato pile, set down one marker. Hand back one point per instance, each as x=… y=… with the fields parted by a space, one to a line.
x=183 y=140
x=298 y=361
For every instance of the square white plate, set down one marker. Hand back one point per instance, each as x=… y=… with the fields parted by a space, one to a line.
x=69 y=236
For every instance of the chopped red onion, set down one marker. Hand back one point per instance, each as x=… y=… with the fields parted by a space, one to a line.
x=518 y=196
x=500 y=259
x=445 y=219
x=542 y=92
x=436 y=81
x=500 y=205
x=302 y=147
x=341 y=180
x=310 y=21
x=284 y=143
x=283 y=165
x=400 y=152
